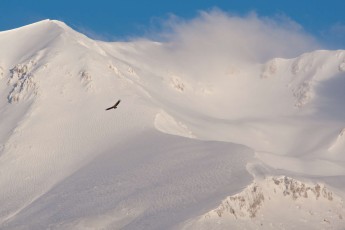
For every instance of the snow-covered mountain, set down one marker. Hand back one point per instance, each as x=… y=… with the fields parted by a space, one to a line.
x=244 y=145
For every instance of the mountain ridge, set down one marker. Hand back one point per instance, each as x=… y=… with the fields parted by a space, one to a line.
x=184 y=137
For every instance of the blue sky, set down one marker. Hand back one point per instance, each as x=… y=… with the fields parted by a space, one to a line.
x=120 y=19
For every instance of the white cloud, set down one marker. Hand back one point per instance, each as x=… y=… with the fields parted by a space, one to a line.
x=250 y=37
x=215 y=41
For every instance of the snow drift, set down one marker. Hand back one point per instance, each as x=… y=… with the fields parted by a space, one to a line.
x=187 y=134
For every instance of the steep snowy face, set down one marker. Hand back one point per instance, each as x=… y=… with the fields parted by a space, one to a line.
x=27 y=52
x=55 y=84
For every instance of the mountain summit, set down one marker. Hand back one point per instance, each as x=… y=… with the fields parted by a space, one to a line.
x=193 y=142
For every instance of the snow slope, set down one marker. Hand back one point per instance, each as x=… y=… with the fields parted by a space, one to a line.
x=180 y=142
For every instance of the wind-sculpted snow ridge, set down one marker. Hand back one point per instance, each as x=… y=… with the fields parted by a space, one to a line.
x=277 y=203
x=166 y=124
x=336 y=149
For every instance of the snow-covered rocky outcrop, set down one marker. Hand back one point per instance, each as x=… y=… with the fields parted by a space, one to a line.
x=277 y=203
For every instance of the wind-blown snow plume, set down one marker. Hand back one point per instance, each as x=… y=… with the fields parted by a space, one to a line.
x=217 y=40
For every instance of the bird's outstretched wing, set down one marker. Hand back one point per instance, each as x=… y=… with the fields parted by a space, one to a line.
x=114 y=106
x=117 y=103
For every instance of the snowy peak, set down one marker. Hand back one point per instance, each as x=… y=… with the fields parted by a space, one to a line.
x=40 y=30
x=35 y=27
x=20 y=44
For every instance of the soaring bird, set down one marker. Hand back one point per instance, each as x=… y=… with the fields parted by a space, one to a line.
x=114 y=106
